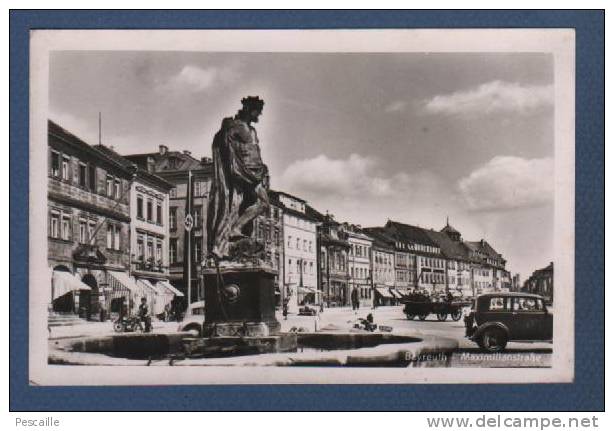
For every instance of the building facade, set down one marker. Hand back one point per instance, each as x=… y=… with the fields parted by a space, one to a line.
x=88 y=227
x=360 y=263
x=300 y=277
x=541 y=282
x=189 y=177
x=383 y=270
x=333 y=274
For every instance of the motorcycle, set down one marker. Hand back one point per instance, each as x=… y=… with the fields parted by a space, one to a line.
x=129 y=324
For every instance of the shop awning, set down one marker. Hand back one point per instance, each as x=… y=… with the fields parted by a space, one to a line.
x=63 y=282
x=170 y=287
x=385 y=293
x=121 y=284
x=147 y=286
x=396 y=293
x=305 y=289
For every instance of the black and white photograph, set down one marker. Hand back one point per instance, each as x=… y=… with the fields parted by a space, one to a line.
x=295 y=206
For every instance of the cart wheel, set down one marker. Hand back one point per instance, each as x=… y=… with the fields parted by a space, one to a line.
x=442 y=316
x=422 y=316
x=411 y=316
x=456 y=315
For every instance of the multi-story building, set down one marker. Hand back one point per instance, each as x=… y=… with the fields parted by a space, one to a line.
x=359 y=261
x=383 y=254
x=269 y=230
x=426 y=269
x=149 y=234
x=333 y=245
x=458 y=266
x=182 y=170
x=300 y=251
x=88 y=228
x=488 y=268
x=541 y=282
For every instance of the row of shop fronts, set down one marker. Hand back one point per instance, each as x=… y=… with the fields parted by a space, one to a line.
x=101 y=294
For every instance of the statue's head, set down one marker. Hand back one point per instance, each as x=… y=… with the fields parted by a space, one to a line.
x=252 y=107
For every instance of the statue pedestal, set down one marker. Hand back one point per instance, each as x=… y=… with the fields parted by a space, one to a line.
x=243 y=305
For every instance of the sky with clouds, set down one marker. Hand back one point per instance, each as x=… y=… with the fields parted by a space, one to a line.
x=413 y=137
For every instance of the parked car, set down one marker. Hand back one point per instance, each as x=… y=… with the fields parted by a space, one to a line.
x=194 y=318
x=498 y=318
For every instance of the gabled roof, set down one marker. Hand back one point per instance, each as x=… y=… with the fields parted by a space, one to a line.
x=141 y=171
x=380 y=237
x=181 y=161
x=409 y=233
x=448 y=228
x=53 y=129
x=450 y=249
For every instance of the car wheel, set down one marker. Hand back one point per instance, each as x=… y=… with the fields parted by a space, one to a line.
x=493 y=340
x=422 y=316
x=442 y=316
x=411 y=316
x=118 y=327
x=456 y=315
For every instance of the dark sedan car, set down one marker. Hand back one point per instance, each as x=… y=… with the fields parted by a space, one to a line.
x=497 y=318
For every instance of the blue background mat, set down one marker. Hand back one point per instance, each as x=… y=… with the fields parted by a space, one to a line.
x=587 y=393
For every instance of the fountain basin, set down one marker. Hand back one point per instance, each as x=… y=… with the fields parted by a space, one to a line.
x=297 y=349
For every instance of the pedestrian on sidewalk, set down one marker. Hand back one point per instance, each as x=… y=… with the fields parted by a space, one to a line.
x=354 y=299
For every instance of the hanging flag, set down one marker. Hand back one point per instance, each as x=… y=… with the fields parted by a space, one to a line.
x=188 y=243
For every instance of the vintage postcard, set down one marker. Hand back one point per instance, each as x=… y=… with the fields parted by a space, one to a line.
x=301 y=206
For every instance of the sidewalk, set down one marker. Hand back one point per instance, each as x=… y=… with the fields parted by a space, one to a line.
x=103 y=328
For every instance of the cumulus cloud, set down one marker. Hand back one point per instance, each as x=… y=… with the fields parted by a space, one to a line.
x=194 y=78
x=507 y=182
x=492 y=97
x=358 y=189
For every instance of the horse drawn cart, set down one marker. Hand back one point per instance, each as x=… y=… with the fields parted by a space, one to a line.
x=420 y=305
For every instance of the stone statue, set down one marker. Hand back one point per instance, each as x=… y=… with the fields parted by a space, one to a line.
x=239 y=186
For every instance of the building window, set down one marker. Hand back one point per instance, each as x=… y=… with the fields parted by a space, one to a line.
x=92 y=177
x=65 y=227
x=172 y=218
x=110 y=236
x=54 y=225
x=139 y=207
x=91 y=226
x=65 y=170
x=55 y=164
x=150 y=249
x=289 y=241
x=159 y=213
x=116 y=232
x=149 y=210
x=305 y=245
x=298 y=244
x=117 y=189
x=82 y=232
x=109 y=186
x=159 y=251
x=172 y=250
x=290 y=266
x=82 y=175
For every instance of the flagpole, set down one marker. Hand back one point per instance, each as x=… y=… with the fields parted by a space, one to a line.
x=189 y=235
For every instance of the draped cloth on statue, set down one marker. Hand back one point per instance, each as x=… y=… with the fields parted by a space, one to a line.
x=237 y=171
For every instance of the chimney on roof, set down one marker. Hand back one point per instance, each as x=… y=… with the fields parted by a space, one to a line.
x=163 y=150
x=151 y=164
x=205 y=160
x=187 y=152
x=482 y=242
